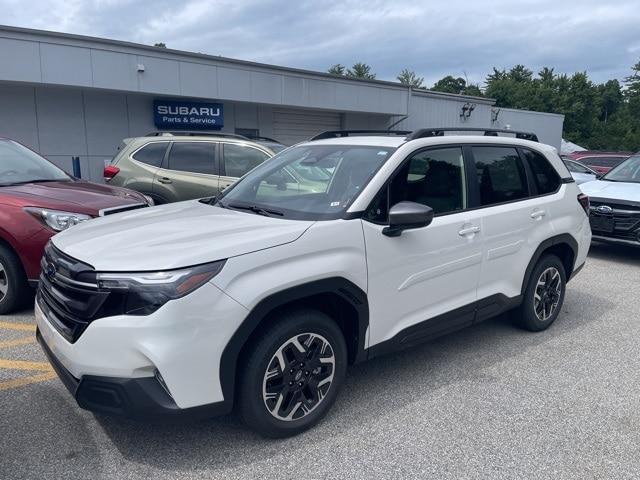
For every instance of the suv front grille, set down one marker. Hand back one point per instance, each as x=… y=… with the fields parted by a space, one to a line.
x=68 y=293
x=625 y=218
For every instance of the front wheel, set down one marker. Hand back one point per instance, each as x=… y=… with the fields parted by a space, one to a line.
x=544 y=295
x=13 y=282
x=293 y=374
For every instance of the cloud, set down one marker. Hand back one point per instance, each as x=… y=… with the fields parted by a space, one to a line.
x=433 y=38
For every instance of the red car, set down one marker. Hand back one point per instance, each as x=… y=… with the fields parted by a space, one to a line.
x=600 y=162
x=37 y=199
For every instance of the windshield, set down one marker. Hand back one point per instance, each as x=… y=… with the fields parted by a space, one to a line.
x=627 y=171
x=307 y=182
x=18 y=165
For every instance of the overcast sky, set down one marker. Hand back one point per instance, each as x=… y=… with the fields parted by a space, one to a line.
x=434 y=38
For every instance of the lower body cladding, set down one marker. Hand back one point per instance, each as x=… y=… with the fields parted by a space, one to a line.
x=167 y=362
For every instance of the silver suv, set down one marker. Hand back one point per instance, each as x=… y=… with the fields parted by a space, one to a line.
x=170 y=167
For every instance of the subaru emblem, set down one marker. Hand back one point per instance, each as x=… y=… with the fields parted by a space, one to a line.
x=50 y=271
x=604 y=209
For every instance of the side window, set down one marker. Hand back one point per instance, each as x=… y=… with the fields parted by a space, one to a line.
x=501 y=175
x=544 y=175
x=613 y=161
x=240 y=159
x=151 y=154
x=575 y=167
x=196 y=157
x=590 y=161
x=435 y=178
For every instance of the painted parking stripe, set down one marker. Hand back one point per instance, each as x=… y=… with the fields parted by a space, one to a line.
x=17 y=342
x=21 y=382
x=25 y=365
x=27 y=327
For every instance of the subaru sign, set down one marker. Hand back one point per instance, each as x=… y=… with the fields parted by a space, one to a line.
x=190 y=115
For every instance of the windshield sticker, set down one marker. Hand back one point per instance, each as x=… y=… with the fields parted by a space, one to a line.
x=335 y=204
x=383 y=153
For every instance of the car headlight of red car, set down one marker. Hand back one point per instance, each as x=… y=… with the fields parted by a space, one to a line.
x=55 y=219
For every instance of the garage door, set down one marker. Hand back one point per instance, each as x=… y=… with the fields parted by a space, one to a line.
x=292 y=126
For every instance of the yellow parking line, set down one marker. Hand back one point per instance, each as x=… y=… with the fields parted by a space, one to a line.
x=17 y=342
x=20 y=382
x=28 y=327
x=25 y=365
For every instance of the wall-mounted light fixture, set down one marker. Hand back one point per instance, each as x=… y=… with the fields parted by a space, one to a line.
x=495 y=113
x=467 y=108
x=141 y=67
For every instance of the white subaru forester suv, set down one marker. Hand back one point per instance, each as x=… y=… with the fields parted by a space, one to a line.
x=335 y=251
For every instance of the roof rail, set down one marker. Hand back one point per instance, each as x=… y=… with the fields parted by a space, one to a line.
x=189 y=133
x=487 y=132
x=351 y=133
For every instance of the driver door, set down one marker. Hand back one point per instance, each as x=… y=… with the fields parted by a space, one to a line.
x=424 y=282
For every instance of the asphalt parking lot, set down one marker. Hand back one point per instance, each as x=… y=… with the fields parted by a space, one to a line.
x=491 y=401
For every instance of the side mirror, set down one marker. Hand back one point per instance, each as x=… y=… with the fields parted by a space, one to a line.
x=407 y=215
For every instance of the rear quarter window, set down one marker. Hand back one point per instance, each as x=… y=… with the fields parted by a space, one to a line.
x=151 y=154
x=545 y=176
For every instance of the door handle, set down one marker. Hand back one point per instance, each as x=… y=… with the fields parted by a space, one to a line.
x=469 y=231
x=537 y=214
x=165 y=180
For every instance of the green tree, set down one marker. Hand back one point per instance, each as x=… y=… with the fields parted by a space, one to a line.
x=409 y=77
x=632 y=92
x=361 y=70
x=449 y=84
x=337 y=69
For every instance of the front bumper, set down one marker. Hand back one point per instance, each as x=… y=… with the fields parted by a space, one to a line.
x=614 y=240
x=139 y=398
x=115 y=366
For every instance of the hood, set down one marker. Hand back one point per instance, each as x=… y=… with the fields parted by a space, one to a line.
x=612 y=190
x=77 y=196
x=173 y=236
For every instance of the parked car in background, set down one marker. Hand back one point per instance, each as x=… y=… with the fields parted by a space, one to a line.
x=37 y=200
x=580 y=173
x=262 y=296
x=270 y=143
x=169 y=167
x=615 y=204
x=600 y=162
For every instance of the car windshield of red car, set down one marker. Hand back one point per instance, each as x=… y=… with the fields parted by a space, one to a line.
x=20 y=165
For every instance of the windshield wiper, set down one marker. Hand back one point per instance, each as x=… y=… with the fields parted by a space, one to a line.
x=267 y=212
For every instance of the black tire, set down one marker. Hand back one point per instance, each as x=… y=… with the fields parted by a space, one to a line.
x=265 y=415
x=543 y=302
x=14 y=288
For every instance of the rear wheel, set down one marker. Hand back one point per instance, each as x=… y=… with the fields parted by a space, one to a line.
x=14 y=287
x=544 y=295
x=293 y=374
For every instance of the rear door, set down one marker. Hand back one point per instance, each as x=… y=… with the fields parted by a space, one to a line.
x=237 y=160
x=515 y=204
x=189 y=170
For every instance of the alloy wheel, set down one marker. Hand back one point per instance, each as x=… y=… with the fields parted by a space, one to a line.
x=298 y=376
x=4 y=282
x=547 y=294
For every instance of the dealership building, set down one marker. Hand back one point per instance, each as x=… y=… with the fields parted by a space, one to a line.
x=74 y=96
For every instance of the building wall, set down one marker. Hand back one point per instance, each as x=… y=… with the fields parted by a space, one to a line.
x=428 y=111
x=548 y=126
x=63 y=122
x=59 y=59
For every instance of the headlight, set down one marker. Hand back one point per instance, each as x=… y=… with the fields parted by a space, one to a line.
x=57 y=220
x=143 y=293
